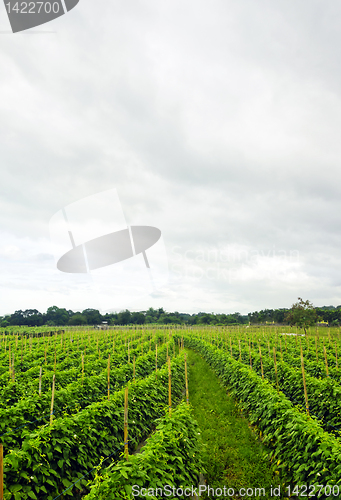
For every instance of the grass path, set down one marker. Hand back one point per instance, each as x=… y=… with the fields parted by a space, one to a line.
x=233 y=454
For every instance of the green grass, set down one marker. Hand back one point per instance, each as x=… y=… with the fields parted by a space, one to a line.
x=234 y=456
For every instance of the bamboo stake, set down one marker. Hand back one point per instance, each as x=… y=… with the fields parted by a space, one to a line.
x=187 y=398
x=126 y=423
x=337 y=366
x=155 y=360
x=317 y=356
x=240 y=351
x=13 y=370
x=304 y=384
x=1 y=472
x=109 y=377
x=52 y=399
x=82 y=367
x=261 y=360
x=9 y=361
x=22 y=347
x=325 y=358
x=40 y=373
x=275 y=362
x=231 y=346
x=134 y=369
x=250 y=354
x=55 y=358
x=169 y=388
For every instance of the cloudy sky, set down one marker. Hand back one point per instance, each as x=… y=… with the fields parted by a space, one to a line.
x=217 y=122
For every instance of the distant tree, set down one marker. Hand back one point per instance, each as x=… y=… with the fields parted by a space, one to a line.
x=205 y=319
x=77 y=319
x=138 y=318
x=302 y=314
x=93 y=316
x=124 y=317
x=56 y=316
x=17 y=318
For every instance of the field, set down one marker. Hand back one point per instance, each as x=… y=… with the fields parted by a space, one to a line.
x=78 y=405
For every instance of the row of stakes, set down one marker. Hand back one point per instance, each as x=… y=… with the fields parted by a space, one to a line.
x=125 y=410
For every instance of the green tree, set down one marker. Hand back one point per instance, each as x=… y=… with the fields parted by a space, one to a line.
x=77 y=319
x=302 y=314
x=56 y=316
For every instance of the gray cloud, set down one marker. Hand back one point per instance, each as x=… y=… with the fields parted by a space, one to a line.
x=218 y=123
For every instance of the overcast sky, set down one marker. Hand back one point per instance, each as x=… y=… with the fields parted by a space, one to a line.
x=217 y=122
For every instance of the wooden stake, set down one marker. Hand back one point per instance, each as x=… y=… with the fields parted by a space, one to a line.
x=155 y=360
x=82 y=367
x=261 y=360
x=317 y=356
x=325 y=358
x=1 y=472
x=187 y=399
x=169 y=388
x=134 y=369
x=304 y=384
x=250 y=354
x=40 y=373
x=275 y=362
x=337 y=366
x=13 y=370
x=9 y=361
x=52 y=399
x=126 y=423
x=109 y=377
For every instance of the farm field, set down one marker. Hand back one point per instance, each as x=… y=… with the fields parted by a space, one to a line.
x=287 y=389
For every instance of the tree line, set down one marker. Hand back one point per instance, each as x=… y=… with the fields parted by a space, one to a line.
x=56 y=316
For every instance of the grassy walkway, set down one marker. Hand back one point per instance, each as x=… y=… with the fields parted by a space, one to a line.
x=233 y=454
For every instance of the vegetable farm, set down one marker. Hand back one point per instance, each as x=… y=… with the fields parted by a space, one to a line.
x=69 y=397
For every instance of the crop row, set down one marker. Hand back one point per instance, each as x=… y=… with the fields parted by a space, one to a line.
x=172 y=456
x=28 y=383
x=17 y=421
x=55 y=457
x=300 y=449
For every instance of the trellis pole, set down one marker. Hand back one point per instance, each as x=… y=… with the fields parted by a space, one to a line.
x=126 y=453
x=109 y=377
x=169 y=388
x=52 y=398
x=40 y=373
x=1 y=472
x=304 y=383
x=187 y=399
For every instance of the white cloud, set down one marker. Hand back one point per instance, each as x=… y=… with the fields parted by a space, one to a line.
x=217 y=122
